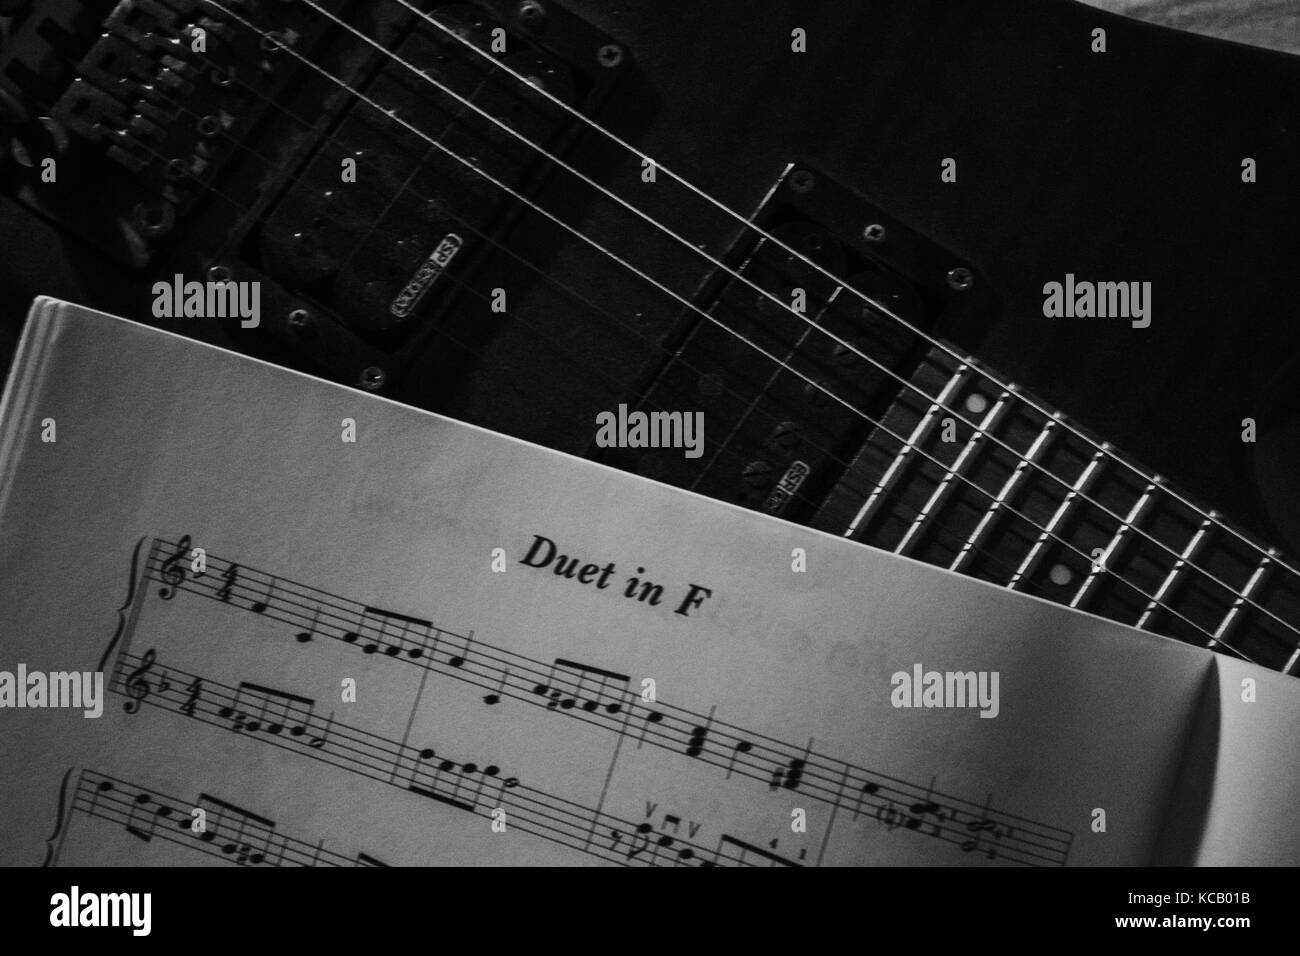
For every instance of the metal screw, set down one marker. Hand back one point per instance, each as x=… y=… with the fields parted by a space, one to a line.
x=874 y=233
x=372 y=378
x=960 y=279
x=299 y=319
x=219 y=273
x=153 y=217
x=530 y=11
x=610 y=55
x=802 y=181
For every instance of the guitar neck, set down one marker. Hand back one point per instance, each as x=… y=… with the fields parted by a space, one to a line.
x=1029 y=501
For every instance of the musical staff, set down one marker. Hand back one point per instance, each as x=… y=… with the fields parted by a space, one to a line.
x=230 y=832
x=604 y=698
x=456 y=784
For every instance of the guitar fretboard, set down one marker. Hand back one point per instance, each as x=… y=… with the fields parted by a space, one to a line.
x=1025 y=502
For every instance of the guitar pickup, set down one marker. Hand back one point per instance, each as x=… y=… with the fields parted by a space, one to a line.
x=780 y=425
x=440 y=172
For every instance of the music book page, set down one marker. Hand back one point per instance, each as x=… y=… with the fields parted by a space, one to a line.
x=433 y=644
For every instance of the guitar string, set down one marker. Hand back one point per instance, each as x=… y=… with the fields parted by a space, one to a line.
x=1211 y=516
x=1212 y=642
x=379 y=754
x=264 y=592
x=994 y=562
x=1102 y=448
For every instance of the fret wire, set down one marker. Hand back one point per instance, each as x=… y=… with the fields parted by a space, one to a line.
x=1040 y=444
x=946 y=484
x=1085 y=479
x=918 y=435
x=1193 y=547
x=1244 y=597
x=878 y=306
x=1099 y=565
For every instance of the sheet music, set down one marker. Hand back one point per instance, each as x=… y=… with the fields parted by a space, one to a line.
x=344 y=678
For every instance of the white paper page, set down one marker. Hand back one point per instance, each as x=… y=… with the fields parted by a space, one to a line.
x=771 y=740
x=1254 y=766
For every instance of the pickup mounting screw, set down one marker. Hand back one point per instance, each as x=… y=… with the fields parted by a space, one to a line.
x=609 y=55
x=219 y=273
x=531 y=12
x=874 y=233
x=299 y=319
x=960 y=279
x=372 y=378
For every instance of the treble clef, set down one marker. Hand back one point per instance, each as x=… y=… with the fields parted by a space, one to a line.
x=172 y=573
x=137 y=688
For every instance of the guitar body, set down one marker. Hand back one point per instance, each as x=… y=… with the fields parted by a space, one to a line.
x=1122 y=166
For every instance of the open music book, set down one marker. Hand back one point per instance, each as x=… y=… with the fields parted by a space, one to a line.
x=334 y=630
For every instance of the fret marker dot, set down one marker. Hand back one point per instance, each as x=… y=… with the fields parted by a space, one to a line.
x=976 y=403
x=1060 y=575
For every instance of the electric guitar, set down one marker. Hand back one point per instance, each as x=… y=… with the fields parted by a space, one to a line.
x=832 y=229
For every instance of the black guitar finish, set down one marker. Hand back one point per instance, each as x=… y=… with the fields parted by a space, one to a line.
x=1116 y=166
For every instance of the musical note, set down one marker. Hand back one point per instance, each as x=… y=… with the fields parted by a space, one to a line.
x=981 y=825
x=304 y=637
x=868 y=789
x=641 y=842
x=172 y=573
x=741 y=747
x=317 y=742
x=695 y=746
x=651 y=717
x=103 y=787
x=131 y=827
x=195 y=691
x=392 y=647
x=459 y=659
x=137 y=688
x=251 y=841
x=566 y=692
x=230 y=579
x=495 y=697
x=260 y=607
x=293 y=710
x=916 y=819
